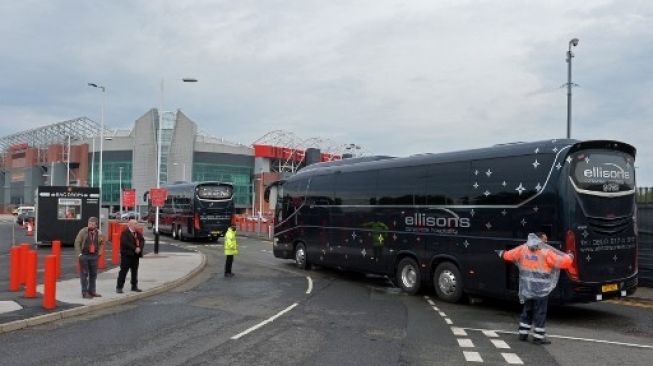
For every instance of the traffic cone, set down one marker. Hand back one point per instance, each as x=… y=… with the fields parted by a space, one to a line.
x=30 y=228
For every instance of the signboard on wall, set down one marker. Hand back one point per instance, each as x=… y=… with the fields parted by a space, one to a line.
x=129 y=198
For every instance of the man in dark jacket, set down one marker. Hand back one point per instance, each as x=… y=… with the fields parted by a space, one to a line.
x=131 y=250
x=89 y=244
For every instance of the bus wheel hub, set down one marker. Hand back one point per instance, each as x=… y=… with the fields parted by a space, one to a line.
x=447 y=282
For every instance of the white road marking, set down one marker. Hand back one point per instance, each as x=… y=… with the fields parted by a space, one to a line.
x=472 y=356
x=465 y=342
x=635 y=345
x=499 y=343
x=426 y=298
x=270 y=320
x=310 y=285
x=448 y=321
x=490 y=334
x=512 y=358
x=435 y=308
x=458 y=331
x=430 y=302
x=442 y=314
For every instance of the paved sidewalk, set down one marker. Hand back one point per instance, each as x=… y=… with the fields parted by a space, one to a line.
x=157 y=273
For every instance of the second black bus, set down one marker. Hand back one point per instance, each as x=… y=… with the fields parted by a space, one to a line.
x=198 y=210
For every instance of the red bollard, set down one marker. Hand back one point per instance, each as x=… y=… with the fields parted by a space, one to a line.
x=30 y=284
x=50 y=283
x=102 y=261
x=115 y=249
x=14 y=269
x=56 y=251
x=24 y=249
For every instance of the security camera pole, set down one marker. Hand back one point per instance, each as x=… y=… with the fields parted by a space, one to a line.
x=570 y=55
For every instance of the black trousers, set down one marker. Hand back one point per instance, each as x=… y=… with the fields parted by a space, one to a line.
x=228 y=263
x=534 y=313
x=128 y=263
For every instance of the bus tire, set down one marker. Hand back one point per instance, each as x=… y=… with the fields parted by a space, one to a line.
x=173 y=232
x=180 y=235
x=408 y=276
x=301 y=259
x=448 y=282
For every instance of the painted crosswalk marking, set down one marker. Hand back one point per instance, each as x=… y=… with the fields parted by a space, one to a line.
x=458 y=331
x=499 y=343
x=465 y=342
x=448 y=321
x=512 y=359
x=490 y=334
x=472 y=356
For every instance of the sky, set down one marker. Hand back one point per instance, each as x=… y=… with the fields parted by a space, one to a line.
x=394 y=77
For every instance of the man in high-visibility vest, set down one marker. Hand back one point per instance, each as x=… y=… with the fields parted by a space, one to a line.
x=539 y=269
x=230 y=250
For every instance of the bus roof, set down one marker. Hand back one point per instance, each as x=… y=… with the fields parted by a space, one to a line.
x=496 y=151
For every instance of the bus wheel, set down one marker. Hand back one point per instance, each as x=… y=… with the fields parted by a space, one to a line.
x=174 y=232
x=300 y=256
x=408 y=276
x=448 y=282
x=179 y=233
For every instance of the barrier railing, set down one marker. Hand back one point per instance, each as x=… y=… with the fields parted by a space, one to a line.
x=253 y=226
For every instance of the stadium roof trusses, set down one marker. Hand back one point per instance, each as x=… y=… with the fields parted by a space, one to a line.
x=290 y=140
x=78 y=128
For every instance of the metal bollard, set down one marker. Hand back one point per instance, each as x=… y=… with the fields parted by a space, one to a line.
x=50 y=283
x=14 y=270
x=30 y=282
x=24 y=249
x=56 y=251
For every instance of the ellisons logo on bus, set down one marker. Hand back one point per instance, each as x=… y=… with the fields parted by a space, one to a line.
x=600 y=172
x=424 y=220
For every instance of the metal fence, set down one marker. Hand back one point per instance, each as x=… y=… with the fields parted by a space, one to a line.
x=645 y=226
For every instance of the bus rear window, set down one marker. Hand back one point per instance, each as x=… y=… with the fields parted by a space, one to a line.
x=603 y=171
x=214 y=192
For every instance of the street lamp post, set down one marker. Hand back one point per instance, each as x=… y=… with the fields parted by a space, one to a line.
x=158 y=163
x=100 y=176
x=68 y=164
x=570 y=55
x=120 y=188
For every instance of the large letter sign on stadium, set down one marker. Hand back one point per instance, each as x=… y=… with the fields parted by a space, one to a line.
x=158 y=196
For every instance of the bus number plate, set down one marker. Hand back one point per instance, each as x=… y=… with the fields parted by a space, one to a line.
x=609 y=287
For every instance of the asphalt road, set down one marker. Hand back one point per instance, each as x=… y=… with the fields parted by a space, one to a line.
x=271 y=313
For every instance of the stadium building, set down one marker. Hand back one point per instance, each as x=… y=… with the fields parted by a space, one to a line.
x=70 y=153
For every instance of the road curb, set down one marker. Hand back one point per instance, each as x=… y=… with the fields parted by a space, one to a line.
x=85 y=309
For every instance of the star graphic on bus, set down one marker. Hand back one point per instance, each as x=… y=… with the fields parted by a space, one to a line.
x=475 y=185
x=558 y=166
x=523 y=222
x=488 y=173
x=520 y=189
x=536 y=164
x=538 y=187
x=353 y=235
x=364 y=252
x=486 y=193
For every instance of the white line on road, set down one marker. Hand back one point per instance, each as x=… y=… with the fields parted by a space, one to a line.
x=458 y=331
x=490 y=334
x=436 y=308
x=472 y=356
x=442 y=314
x=448 y=321
x=270 y=320
x=430 y=302
x=635 y=345
x=310 y=285
x=499 y=343
x=512 y=358
x=465 y=342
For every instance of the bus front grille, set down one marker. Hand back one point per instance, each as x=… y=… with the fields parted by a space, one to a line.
x=610 y=226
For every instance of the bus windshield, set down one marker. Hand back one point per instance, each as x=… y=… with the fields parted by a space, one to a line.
x=602 y=171
x=214 y=192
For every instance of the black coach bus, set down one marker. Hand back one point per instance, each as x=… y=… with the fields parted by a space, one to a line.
x=438 y=218
x=196 y=210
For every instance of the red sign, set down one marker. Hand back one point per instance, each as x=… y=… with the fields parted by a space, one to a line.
x=158 y=196
x=129 y=198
